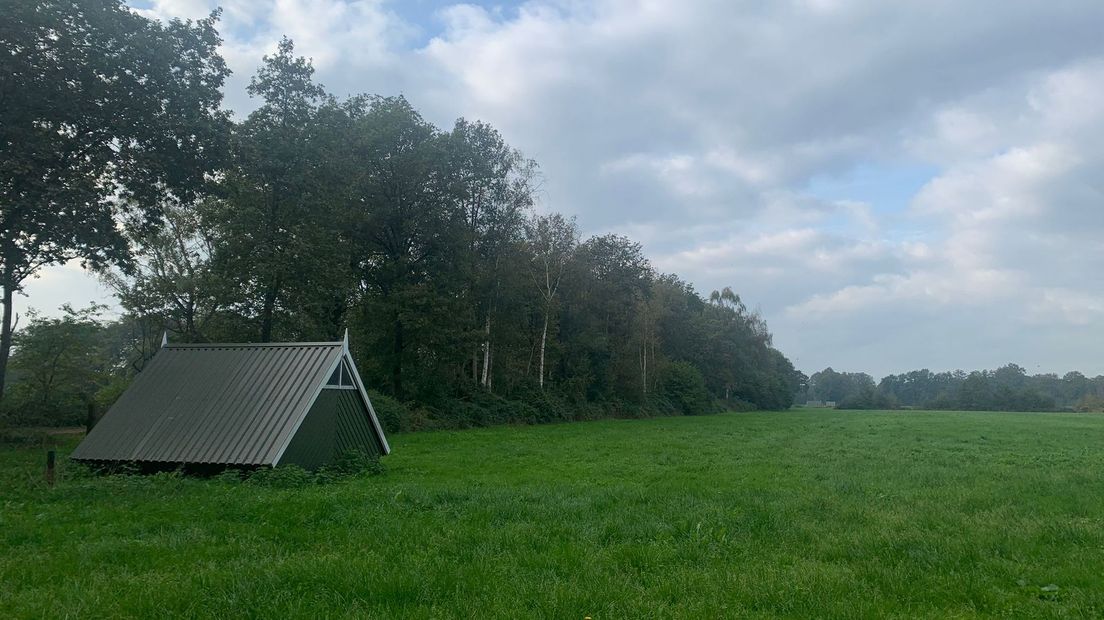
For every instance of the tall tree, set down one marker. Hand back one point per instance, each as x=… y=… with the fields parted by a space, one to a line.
x=102 y=113
x=172 y=281
x=62 y=363
x=271 y=225
x=404 y=234
x=492 y=186
x=551 y=240
x=610 y=276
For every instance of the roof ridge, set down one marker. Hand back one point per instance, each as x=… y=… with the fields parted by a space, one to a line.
x=249 y=345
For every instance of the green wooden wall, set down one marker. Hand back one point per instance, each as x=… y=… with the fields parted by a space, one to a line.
x=337 y=422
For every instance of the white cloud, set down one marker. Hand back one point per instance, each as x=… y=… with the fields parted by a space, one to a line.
x=1071 y=306
x=696 y=127
x=177 y=9
x=1020 y=218
x=61 y=284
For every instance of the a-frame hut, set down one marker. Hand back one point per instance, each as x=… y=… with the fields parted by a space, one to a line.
x=205 y=406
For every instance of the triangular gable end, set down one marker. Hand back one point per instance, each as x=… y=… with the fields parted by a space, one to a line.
x=367 y=401
x=342 y=376
x=348 y=357
x=344 y=369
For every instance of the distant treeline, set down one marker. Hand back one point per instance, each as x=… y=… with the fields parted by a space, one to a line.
x=1008 y=388
x=314 y=215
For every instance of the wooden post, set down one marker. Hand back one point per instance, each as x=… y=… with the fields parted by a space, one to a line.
x=51 y=457
x=90 y=417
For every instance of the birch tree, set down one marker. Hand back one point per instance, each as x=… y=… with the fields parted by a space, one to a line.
x=492 y=185
x=551 y=240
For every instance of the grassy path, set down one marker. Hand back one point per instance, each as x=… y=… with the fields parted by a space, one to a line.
x=799 y=514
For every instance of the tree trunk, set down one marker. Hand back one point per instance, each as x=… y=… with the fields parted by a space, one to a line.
x=268 y=310
x=396 y=362
x=486 y=351
x=90 y=418
x=544 y=338
x=644 y=353
x=6 y=331
x=655 y=384
x=190 y=323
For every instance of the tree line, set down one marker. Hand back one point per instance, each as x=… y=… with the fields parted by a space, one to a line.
x=1008 y=388
x=312 y=215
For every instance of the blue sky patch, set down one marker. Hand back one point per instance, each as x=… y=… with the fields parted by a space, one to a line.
x=887 y=188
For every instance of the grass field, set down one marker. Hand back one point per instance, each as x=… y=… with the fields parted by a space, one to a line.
x=799 y=514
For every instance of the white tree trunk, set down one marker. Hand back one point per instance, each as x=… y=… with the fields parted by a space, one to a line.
x=544 y=338
x=644 y=351
x=485 y=381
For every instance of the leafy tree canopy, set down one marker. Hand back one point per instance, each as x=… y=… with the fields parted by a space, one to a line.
x=104 y=115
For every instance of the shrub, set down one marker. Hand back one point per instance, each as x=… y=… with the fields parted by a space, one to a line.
x=661 y=405
x=739 y=404
x=110 y=392
x=548 y=405
x=1090 y=402
x=474 y=406
x=283 y=477
x=684 y=387
x=355 y=463
x=394 y=416
x=231 y=475
x=868 y=399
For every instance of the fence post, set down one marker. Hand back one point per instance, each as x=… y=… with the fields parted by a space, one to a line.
x=51 y=457
x=90 y=417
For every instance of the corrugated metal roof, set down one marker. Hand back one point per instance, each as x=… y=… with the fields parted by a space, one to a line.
x=218 y=403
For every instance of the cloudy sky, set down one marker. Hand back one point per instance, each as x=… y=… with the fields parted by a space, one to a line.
x=894 y=185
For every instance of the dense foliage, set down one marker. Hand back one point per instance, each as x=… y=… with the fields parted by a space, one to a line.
x=1008 y=388
x=105 y=116
x=464 y=304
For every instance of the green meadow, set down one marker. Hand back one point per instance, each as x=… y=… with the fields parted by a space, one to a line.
x=796 y=514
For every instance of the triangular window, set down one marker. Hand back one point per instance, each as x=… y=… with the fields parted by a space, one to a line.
x=342 y=377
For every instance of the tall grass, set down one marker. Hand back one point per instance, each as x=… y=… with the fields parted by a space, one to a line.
x=798 y=514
